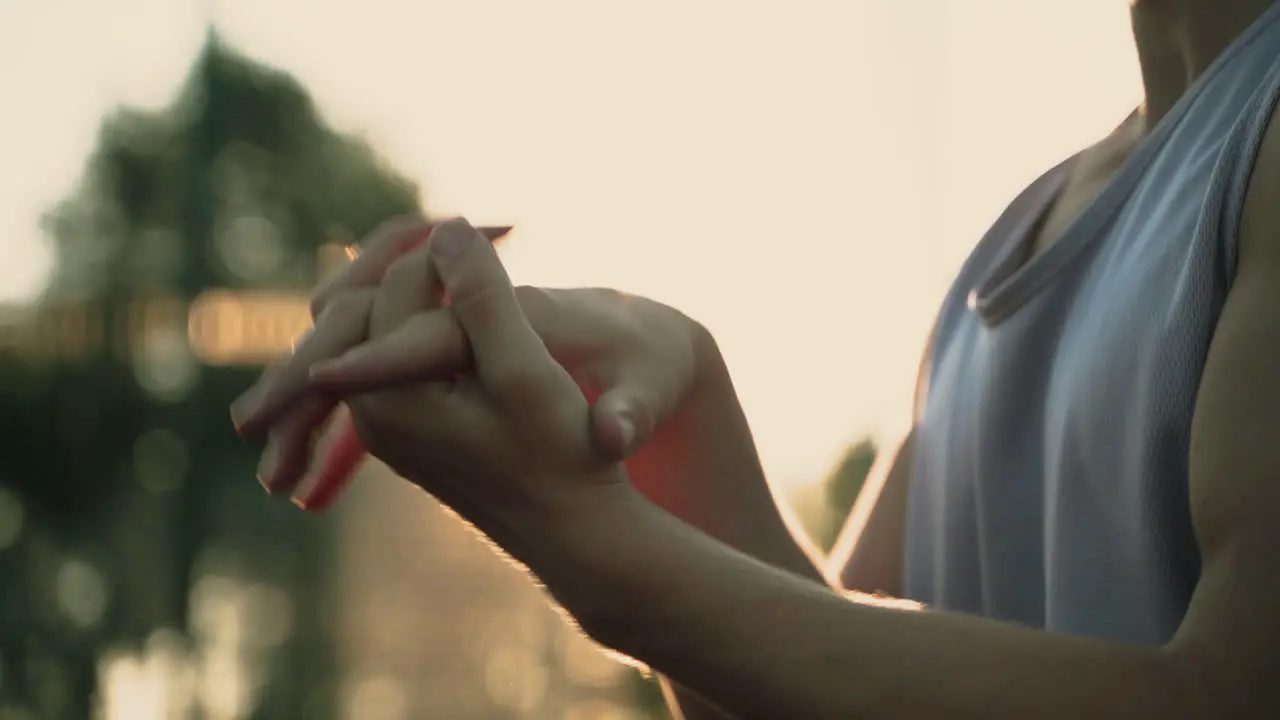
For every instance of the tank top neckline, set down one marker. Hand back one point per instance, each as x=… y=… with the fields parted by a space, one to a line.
x=1013 y=279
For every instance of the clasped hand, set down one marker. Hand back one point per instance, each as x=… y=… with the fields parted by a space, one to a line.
x=472 y=389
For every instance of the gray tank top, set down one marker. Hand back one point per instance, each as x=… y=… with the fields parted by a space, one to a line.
x=1049 y=477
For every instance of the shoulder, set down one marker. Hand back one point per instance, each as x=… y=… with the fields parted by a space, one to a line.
x=1234 y=458
x=1259 y=239
x=1239 y=389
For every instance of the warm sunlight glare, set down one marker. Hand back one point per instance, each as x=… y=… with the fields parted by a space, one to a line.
x=802 y=177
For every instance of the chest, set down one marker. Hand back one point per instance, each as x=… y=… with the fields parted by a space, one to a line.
x=1088 y=176
x=1050 y=475
x=1049 y=483
x=1111 y=344
x=1051 y=451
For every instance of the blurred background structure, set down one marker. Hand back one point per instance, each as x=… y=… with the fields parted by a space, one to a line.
x=144 y=575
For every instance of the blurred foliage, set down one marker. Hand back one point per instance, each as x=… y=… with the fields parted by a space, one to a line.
x=235 y=185
x=823 y=509
x=123 y=485
x=131 y=532
x=127 y=514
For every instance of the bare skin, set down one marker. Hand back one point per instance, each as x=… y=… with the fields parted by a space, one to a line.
x=689 y=603
x=651 y=586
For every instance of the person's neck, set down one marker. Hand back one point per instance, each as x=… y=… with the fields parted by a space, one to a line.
x=1177 y=40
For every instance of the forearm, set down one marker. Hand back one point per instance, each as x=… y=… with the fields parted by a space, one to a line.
x=702 y=467
x=763 y=643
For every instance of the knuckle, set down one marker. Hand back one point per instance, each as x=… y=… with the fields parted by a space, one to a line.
x=481 y=301
x=390 y=238
x=318 y=303
x=406 y=269
x=538 y=304
x=340 y=283
x=519 y=383
x=511 y=382
x=352 y=305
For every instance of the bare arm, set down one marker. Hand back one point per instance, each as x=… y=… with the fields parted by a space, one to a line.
x=762 y=642
x=867 y=557
x=736 y=507
x=702 y=467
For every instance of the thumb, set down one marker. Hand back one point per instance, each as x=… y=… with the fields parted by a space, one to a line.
x=510 y=358
x=625 y=416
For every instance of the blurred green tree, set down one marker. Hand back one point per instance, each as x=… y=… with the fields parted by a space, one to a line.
x=120 y=473
x=824 y=508
x=844 y=485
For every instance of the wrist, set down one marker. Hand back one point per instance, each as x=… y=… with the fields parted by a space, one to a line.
x=709 y=369
x=703 y=467
x=573 y=545
x=709 y=400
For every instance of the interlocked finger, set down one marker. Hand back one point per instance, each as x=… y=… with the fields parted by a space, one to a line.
x=406 y=287
x=511 y=360
x=409 y=286
x=343 y=325
x=377 y=253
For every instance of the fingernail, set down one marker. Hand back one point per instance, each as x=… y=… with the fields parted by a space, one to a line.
x=626 y=430
x=325 y=369
x=301 y=339
x=334 y=370
x=303 y=504
x=245 y=407
x=268 y=467
x=340 y=456
x=494 y=234
x=317 y=495
x=451 y=238
x=303 y=494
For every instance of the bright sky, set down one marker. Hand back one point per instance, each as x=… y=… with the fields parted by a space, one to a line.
x=803 y=177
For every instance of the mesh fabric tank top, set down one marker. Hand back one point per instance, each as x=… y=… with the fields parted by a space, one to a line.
x=1049 y=478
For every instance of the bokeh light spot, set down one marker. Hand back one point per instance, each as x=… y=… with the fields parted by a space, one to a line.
x=81 y=593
